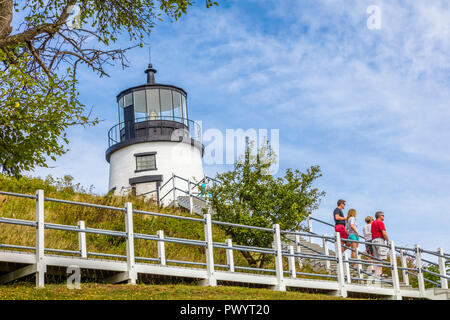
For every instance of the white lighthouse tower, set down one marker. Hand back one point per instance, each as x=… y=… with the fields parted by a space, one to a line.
x=154 y=140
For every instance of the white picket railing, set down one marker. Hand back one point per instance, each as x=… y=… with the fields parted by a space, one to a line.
x=128 y=267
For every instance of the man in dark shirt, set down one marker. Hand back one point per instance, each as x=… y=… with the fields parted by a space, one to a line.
x=339 y=221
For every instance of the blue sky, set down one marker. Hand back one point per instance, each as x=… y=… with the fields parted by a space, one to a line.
x=371 y=107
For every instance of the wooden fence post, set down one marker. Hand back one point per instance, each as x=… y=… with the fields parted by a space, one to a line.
x=419 y=266
x=326 y=251
x=41 y=268
x=347 y=268
x=230 y=255
x=405 y=275
x=210 y=280
x=161 y=248
x=395 y=278
x=132 y=275
x=280 y=286
x=292 y=262
x=340 y=267
x=82 y=239
x=442 y=269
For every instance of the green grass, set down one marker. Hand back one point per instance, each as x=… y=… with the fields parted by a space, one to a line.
x=91 y=291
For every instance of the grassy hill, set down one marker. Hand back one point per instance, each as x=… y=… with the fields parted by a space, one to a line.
x=20 y=208
x=96 y=291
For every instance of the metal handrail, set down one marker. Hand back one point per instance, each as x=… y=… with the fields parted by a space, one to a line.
x=115 y=133
x=143 y=194
x=84 y=204
x=430 y=281
x=436 y=274
x=156 y=214
x=18 y=222
x=14 y=194
x=329 y=224
x=181 y=178
x=240 y=225
x=170 y=179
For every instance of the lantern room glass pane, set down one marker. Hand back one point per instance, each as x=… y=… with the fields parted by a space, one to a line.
x=185 y=115
x=140 y=106
x=128 y=100
x=121 y=113
x=153 y=103
x=177 y=111
x=166 y=104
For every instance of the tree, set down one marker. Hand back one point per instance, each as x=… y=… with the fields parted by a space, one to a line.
x=249 y=195
x=39 y=63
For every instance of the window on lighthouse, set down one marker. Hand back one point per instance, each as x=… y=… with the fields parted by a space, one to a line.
x=178 y=113
x=153 y=103
x=166 y=104
x=140 y=107
x=146 y=162
x=121 y=113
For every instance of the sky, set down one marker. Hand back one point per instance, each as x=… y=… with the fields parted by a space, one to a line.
x=370 y=107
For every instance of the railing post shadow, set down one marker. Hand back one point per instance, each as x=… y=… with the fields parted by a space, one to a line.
x=132 y=275
x=395 y=278
x=442 y=269
x=41 y=267
x=161 y=248
x=419 y=266
x=210 y=278
x=230 y=255
x=280 y=286
x=82 y=239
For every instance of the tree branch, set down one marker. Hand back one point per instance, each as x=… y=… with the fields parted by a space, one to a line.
x=30 y=34
x=38 y=59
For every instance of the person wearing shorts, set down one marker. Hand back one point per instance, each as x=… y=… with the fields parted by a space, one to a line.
x=367 y=231
x=352 y=232
x=339 y=221
x=379 y=236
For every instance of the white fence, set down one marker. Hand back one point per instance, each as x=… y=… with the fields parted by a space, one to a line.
x=339 y=281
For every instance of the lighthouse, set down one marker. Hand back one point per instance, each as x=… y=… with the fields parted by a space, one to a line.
x=153 y=140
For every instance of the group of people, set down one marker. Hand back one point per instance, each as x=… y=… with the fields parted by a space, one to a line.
x=374 y=232
x=203 y=192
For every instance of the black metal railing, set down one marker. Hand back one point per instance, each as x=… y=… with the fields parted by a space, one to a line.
x=155 y=128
